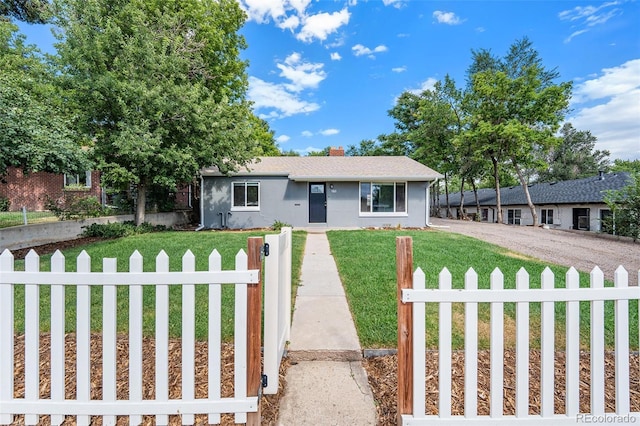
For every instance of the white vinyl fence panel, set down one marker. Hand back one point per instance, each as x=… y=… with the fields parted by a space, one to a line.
x=32 y=405
x=522 y=295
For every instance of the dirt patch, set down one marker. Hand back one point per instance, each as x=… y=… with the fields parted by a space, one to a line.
x=580 y=249
x=382 y=372
x=52 y=247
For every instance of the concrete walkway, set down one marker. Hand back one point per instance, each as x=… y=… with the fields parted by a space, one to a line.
x=326 y=383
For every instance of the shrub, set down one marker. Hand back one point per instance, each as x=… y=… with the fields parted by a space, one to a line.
x=72 y=206
x=277 y=225
x=119 y=229
x=4 y=204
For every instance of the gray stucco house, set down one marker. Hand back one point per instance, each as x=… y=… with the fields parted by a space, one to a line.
x=331 y=191
x=573 y=204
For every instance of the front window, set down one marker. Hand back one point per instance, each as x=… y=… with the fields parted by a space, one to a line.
x=383 y=197
x=547 y=216
x=246 y=196
x=78 y=180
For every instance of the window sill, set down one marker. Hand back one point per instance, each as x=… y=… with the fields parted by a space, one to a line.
x=77 y=188
x=384 y=214
x=245 y=209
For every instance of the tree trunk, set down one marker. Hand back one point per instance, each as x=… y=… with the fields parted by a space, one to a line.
x=446 y=195
x=141 y=201
x=496 y=177
x=475 y=194
x=525 y=186
x=462 y=215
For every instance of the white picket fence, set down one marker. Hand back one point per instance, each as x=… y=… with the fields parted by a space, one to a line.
x=522 y=295
x=277 y=305
x=83 y=407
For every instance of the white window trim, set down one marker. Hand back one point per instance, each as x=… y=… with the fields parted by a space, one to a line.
x=245 y=208
x=553 y=218
x=386 y=214
x=77 y=176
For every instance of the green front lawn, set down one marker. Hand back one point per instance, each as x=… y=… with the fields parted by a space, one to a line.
x=8 y=219
x=175 y=244
x=367 y=265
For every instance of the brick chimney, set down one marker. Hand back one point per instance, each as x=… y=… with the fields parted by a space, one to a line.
x=336 y=152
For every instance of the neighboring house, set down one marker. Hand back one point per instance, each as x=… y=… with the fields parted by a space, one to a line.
x=332 y=191
x=32 y=190
x=572 y=204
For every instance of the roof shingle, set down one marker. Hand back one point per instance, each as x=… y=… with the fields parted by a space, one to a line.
x=336 y=168
x=587 y=190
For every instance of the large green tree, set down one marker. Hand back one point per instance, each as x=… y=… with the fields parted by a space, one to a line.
x=515 y=107
x=32 y=11
x=574 y=158
x=427 y=124
x=35 y=121
x=625 y=206
x=161 y=86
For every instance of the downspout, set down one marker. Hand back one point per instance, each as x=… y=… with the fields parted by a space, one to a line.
x=201 y=225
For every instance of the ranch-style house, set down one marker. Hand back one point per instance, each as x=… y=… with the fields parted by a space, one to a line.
x=573 y=204
x=330 y=191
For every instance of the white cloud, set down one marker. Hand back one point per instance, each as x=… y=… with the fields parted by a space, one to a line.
x=263 y=11
x=320 y=25
x=308 y=150
x=335 y=56
x=277 y=99
x=303 y=75
x=399 y=69
x=329 y=132
x=448 y=18
x=306 y=133
x=609 y=106
x=360 y=50
x=290 y=23
x=428 y=84
x=585 y=17
x=283 y=139
x=395 y=3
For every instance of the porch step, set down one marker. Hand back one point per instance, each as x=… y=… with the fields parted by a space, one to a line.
x=324 y=355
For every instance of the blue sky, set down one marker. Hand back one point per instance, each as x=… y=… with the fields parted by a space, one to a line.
x=325 y=73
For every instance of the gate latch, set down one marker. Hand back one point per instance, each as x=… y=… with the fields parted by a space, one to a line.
x=264 y=250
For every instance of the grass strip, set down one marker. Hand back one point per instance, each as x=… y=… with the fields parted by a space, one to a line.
x=367 y=266
x=175 y=244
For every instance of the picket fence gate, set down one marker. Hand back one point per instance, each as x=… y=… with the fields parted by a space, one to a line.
x=246 y=279
x=277 y=305
x=412 y=297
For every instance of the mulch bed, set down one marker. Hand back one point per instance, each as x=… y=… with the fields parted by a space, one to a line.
x=269 y=403
x=382 y=372
x=52 y=247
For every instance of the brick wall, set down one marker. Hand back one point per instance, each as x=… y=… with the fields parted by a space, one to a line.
x=31 y=190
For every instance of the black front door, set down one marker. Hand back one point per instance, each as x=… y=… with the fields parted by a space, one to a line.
x=317 y=203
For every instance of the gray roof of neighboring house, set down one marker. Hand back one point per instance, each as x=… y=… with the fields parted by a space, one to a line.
x=579 y=191
x=335 y=168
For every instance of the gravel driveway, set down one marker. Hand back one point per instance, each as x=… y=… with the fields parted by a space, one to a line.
x=582 y=250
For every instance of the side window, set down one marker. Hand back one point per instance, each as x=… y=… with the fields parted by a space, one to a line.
x=246 y=195
x=78 y=180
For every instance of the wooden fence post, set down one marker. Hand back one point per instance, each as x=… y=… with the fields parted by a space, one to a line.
x=254 y=328
x=404 y=274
